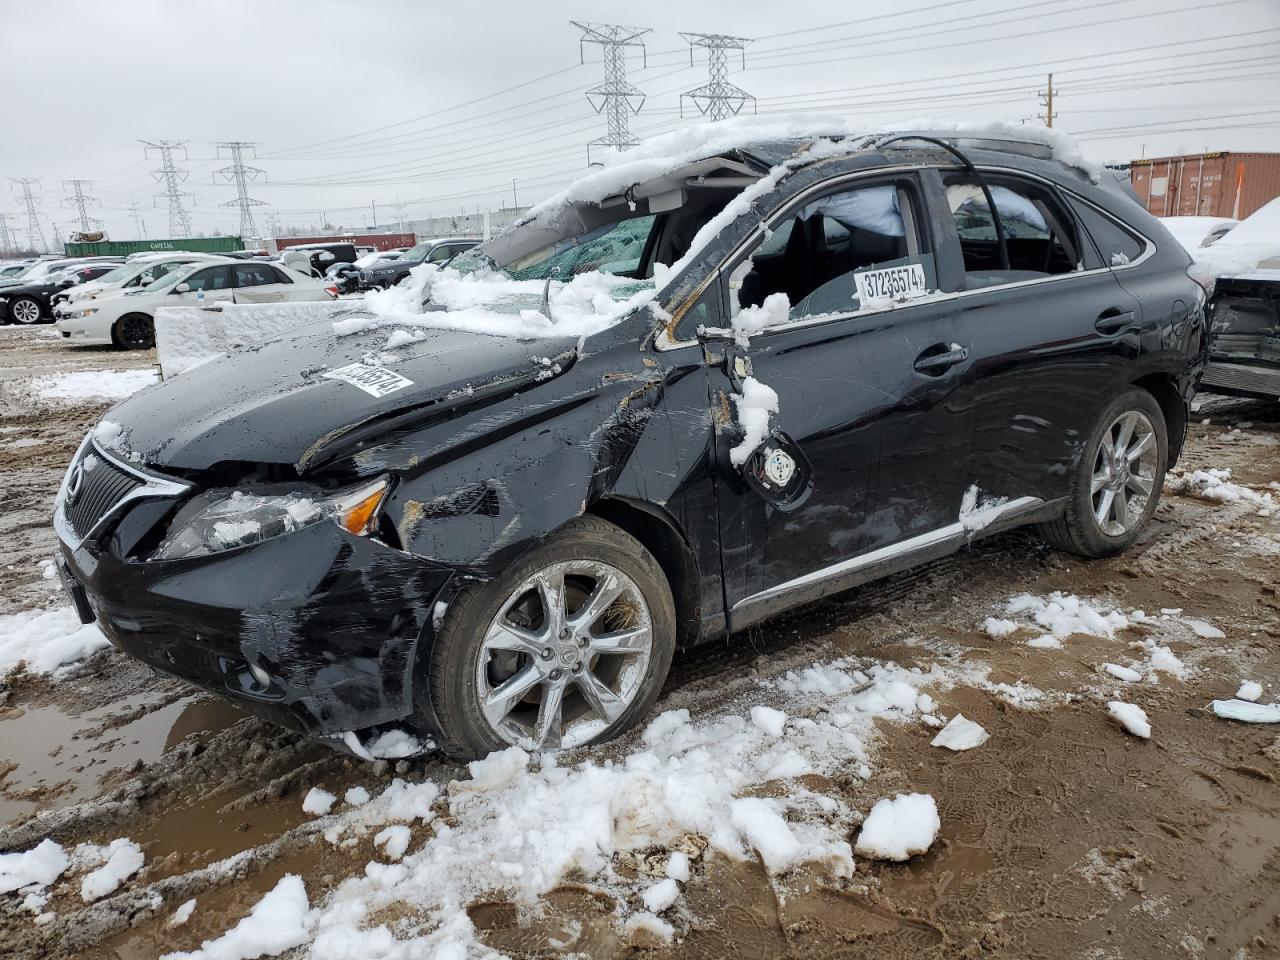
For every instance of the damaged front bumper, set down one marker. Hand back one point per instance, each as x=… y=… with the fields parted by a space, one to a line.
x=316 y=630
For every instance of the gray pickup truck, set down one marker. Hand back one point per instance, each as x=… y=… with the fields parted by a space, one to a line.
x=1244 y=336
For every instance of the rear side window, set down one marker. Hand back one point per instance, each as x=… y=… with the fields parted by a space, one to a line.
x=842 y=253
x=1040 y=233
x=1116 y=245
x=280 y=275
x=253 y=274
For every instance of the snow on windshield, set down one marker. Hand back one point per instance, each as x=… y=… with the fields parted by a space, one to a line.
x=489 y=302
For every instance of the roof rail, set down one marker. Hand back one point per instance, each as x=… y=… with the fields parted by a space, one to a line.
x=1003 y=143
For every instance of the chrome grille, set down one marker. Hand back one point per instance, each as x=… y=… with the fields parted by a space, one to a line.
x=102 y=485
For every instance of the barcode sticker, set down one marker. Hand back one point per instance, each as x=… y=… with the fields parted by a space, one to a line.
x=375 y=381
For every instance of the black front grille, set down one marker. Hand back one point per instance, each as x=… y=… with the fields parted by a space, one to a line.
x=102 y=485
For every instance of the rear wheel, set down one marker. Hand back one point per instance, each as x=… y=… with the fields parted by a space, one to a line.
x=1117 y=481
x=134 y=331
x=25 y=310
x=568 y=647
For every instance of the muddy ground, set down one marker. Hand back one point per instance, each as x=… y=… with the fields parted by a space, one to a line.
x=1062 y=837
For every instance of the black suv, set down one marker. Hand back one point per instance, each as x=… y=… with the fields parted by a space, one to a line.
x=760 y=377
x=391 y=272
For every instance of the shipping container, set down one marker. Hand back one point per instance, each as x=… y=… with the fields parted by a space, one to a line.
x=379 y=241
x=1207 y=184
x=122 y=248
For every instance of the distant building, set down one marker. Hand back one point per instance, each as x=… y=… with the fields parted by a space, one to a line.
x=483 y=224
x=1207 y=184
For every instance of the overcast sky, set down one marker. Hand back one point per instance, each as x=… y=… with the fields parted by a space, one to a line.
x=354 y=104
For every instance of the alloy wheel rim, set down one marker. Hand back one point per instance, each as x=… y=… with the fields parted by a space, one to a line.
x=1124 y=473
x=25 y=311
x=565 y=656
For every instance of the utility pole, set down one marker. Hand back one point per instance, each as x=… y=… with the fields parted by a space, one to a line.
x=172 y=178
x=1046 y=101
x=717 y=99
x=615 y=98
x=273 y=222
x=240 y=174
x=81 y=201
x=399 y=212
x=137 y=218
x=5 y=245
x=35 y=232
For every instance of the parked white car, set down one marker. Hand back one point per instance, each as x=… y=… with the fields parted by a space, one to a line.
x=1196 y=232
x=126 y=318
x=138 y=272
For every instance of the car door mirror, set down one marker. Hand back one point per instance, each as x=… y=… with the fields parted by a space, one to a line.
x=182 y=288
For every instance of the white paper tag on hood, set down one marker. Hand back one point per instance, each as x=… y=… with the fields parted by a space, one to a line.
x=375 y=381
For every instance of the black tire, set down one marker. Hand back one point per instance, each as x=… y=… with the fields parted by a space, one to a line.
x=1078 y=530
x=25 y=311
x=134 y=331
x=459 y=642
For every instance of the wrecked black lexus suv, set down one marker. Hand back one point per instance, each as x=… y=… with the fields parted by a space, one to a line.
x=695 y=389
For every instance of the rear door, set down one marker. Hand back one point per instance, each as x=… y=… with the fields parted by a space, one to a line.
x=1052 y=335
x=257 y=283
x=865 y=390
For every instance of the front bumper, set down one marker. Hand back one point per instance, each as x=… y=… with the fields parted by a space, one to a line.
x=84 y=330
x=317 y=630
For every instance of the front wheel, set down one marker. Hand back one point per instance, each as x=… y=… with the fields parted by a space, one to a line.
x=135 y=331
x=568 y=647
x=25 y=310
x=1117 y=481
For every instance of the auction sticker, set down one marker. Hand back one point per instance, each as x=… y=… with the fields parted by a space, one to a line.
x=891 y=283
x=375 y=381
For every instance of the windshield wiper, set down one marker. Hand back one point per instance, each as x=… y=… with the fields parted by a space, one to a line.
x=545 y=309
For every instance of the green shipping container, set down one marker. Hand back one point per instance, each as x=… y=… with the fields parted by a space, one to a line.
x=122 y=248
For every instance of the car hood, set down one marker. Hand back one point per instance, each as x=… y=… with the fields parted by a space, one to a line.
x=28 y=289
x=276 y=402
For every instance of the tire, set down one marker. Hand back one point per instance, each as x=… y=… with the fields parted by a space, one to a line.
x=24 y=310
x=1080 y=529
x=134 y=331
x=497 y=633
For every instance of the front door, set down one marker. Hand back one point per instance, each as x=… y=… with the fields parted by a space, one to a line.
x=865 y=367
x=208 y=286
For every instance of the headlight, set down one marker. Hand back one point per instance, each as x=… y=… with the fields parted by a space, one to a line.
x=85 y=313
x=243 y=519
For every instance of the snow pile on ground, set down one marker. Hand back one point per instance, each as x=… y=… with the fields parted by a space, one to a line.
x=756 y=403
x=900 y=828
x=684 y=779
x=960 y=734
x=280 y=921
x=1132 y=718
x=33 y=869
x=1215 y=485
x=188 y=336
x=1127 y=674
x=1059 y=615
x=1246 y=712
x=318 y=802
x=44 y=640
x=93 y=384
x=120 y=860
x=1249 y=690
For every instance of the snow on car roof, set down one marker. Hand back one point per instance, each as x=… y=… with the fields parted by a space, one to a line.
x=661 y=155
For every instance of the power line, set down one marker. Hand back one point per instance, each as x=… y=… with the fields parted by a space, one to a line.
x=717 y=99
x=35 y=232
x=172 y=178
x=137 y=218
x=618 y=98
x=81 y=202
x=240 y=174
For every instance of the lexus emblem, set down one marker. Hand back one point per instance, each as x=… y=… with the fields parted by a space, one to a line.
x=75 y=480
